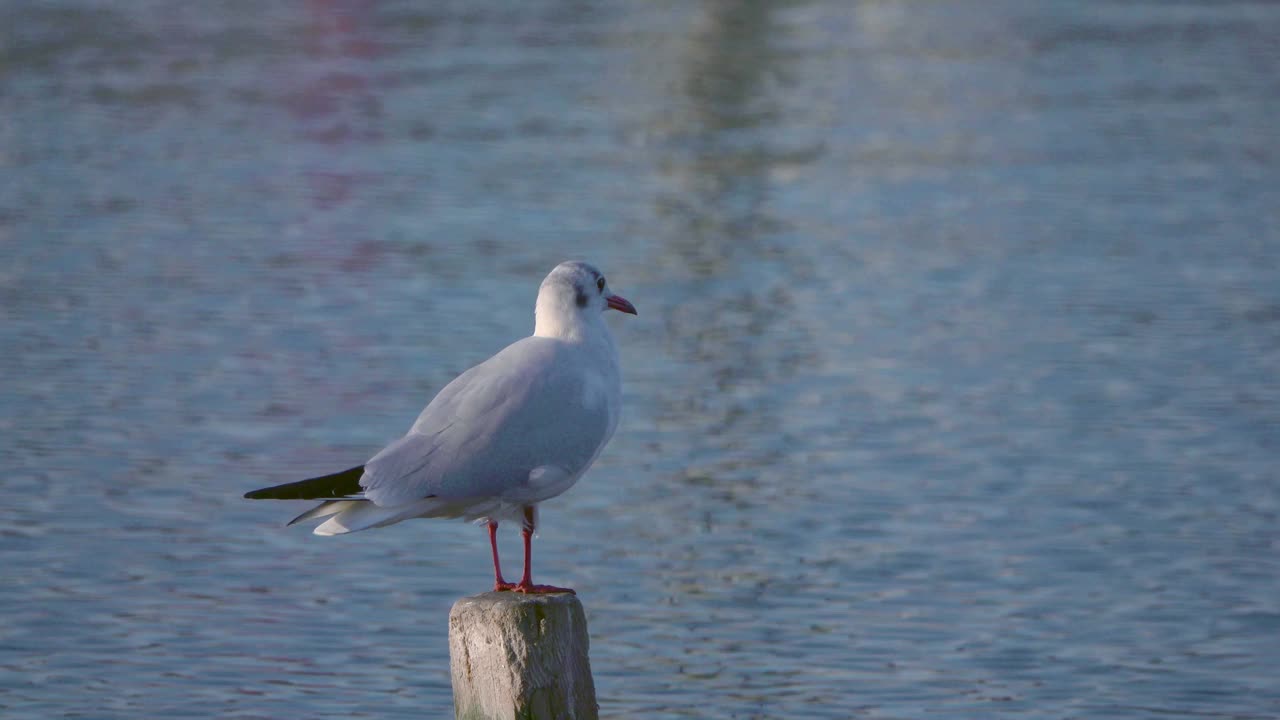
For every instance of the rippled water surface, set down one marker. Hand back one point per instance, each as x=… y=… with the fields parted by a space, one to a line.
x=954 y=389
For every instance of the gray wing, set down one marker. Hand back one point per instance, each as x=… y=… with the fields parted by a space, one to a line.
x=532 y=405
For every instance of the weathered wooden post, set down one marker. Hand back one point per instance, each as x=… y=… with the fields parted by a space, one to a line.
x=518 y=657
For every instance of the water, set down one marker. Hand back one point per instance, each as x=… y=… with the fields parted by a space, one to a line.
x=953 y=391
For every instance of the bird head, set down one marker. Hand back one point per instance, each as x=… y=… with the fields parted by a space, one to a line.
x=574 y=291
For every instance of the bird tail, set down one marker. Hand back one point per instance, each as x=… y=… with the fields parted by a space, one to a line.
x=352 y=515
x=347 y=511
x=325 y=509
x=338 y=485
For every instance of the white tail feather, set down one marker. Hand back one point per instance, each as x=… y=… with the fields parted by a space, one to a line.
x=325 y=509
x=348 y=516
x=362 y=515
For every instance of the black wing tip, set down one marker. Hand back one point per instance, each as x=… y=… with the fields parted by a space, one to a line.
x=325 y=487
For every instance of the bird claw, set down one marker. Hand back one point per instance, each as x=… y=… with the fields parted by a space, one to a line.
x=531 y=589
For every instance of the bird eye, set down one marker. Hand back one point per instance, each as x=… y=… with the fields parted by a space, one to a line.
x=600 y=284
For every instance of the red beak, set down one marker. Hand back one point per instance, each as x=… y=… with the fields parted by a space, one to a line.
x=619 y=303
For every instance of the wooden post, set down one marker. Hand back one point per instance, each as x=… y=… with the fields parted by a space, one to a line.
x=520 y=657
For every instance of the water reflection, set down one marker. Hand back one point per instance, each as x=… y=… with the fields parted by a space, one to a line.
x=721 y=152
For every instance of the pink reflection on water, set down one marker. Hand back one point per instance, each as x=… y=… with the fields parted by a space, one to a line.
x=337 y=114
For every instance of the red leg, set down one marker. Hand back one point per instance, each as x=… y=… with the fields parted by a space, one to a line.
x=498 y=582
x=526 y=581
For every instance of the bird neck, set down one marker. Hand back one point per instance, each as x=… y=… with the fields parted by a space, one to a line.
x=553 y=319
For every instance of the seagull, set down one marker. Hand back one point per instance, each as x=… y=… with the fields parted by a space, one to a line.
x=511 y=432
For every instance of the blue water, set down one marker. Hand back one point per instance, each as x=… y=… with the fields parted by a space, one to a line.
x=954 y=390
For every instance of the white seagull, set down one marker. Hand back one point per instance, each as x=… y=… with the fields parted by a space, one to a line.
x=517 y=429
